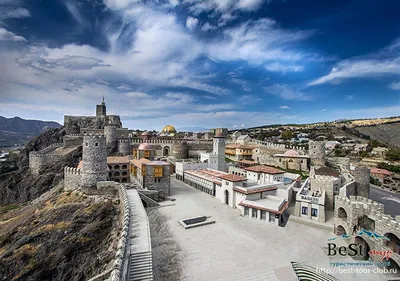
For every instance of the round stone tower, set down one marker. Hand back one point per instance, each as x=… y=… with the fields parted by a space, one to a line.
x=124 y=147
x=316 y=151
x=94 y=160
x=110 y=131
x=180 y=150
x=362 y=179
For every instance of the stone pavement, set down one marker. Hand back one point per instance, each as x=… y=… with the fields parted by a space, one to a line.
x=234 y=248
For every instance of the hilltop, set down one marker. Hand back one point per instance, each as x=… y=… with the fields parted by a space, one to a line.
x=19 y=131
x=384 y=130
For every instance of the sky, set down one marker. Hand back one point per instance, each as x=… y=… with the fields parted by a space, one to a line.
x=200 y=63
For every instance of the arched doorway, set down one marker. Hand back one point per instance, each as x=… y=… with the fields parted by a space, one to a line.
x=394 y=242
x=342 y=214
x=364 y=247
x=166 y=151
x=393 y=266
x=226 y=197
x=340 y=230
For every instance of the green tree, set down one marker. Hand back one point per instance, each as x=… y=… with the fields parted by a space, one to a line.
x=286 y=135
x=393 y=154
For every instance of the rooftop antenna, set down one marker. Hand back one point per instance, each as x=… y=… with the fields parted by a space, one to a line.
x=103 y=101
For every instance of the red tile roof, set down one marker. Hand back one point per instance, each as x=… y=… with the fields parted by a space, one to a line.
x=140 y=162
x=117 y=160
x=284 y=207
x=252 y=191
x=264 y=169
x=232 y=177
x=380 y=171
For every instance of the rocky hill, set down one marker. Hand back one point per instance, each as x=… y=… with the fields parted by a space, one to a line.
x=67 y=237
x=22 y=186
x=18 y=131
x=386 y=133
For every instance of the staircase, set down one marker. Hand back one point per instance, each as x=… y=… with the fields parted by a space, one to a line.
x=140 y=267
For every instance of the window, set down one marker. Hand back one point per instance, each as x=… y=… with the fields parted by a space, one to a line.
x=226 y=183
x=246 y=211
x=146 y=154
x=304 y=210
x=263 y=215
x=96 y=144
x=86 y=144
x=254 y=213
x=158 y=171
x=314 y=212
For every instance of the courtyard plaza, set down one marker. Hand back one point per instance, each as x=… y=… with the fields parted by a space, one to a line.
x=234 y=247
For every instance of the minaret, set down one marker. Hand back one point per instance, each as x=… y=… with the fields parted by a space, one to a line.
x=217 y=157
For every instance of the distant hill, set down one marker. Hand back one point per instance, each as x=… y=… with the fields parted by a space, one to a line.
x=15 y=131
x=386 y=133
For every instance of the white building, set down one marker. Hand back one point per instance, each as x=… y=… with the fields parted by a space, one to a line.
x=262 y=195
x=243 y=139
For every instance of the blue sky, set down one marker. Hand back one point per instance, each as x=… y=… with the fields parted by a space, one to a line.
x=200 y=63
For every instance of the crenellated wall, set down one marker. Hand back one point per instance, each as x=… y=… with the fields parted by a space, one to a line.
x=279 y=146
x=72 y=140
x=72 y=178
x=42 y=158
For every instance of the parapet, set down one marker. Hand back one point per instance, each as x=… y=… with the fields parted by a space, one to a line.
x=72 y=171
x=128 y=140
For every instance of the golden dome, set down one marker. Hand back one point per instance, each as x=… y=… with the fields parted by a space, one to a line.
x=169 y=129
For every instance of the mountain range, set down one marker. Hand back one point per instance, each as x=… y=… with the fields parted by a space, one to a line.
x=18 y=131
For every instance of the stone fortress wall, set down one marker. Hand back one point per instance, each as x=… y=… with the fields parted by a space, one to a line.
x=72 y=178
x=42 y=158
x=72 y=140
x=277 y=146
x=348 y=212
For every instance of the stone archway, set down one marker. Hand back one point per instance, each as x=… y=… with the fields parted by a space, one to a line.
x=340 y=230
x=365 y=248
x=166 y=151
x=226 y=197
x=393 y=266
x=342 y=214
x=394 y=242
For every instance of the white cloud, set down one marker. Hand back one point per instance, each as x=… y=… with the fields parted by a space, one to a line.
x=13 y=12
x=280 y=67
x=395 y=86
x=120 y=4
x=287 y=92
x=349 y=97
x=207 y=26
x=6 y=35
x=385 y=62
x=191 y=23
x=256 y=42
x=284 y=107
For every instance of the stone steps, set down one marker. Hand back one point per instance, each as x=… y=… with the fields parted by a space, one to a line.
x=140 y=267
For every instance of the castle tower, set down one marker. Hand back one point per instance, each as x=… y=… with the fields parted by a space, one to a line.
x=101 y=110
x=180 y=150
x=362 y=179
x=316 y=151
x=94 y=160
x=217 y=157
x=124 y=147
x=110 y=131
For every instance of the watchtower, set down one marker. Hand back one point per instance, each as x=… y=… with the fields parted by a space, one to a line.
x=110 y=131
x=362 y=179
x=316 y=150
x=101 y=110
x=94 y=160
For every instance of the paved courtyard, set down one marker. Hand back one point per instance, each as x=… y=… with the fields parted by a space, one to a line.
x=234 y=248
